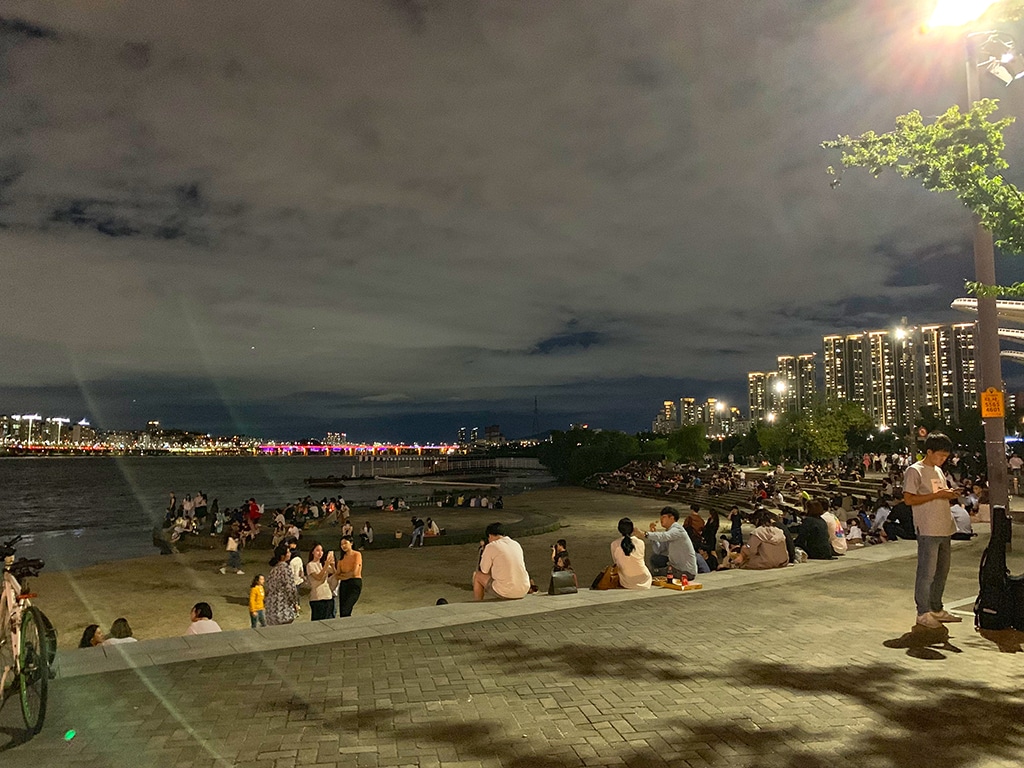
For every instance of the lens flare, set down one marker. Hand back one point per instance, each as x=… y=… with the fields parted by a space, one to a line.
x=956 y=13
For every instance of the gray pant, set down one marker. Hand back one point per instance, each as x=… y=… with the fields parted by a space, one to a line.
x=932 y=569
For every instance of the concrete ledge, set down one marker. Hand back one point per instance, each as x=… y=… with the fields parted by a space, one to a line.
x=171 y=650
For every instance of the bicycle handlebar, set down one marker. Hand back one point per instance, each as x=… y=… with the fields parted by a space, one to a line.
x=7 y=548
x=25 y=568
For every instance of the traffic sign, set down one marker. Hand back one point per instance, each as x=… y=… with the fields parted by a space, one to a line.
x=992 y=404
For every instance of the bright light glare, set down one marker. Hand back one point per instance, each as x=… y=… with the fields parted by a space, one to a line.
x=956 y=13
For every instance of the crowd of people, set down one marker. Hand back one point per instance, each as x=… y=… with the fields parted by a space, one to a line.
x=800 y=525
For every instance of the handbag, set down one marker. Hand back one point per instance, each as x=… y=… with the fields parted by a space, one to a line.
x=607 y=579
x=562 y=583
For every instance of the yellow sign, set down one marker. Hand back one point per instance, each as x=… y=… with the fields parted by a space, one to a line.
x=992 y=404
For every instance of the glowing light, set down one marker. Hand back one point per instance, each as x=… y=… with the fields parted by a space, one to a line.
x=956 y=13
x=69 y=735
x=780 y=386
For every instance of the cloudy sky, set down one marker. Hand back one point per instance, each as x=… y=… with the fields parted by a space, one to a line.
x=396 y=217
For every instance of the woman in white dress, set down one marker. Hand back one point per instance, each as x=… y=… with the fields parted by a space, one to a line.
x=628 y=556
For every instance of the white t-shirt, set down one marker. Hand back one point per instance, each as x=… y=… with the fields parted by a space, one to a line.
x=503 y=560
x=633 y=573
x=118 y=640
x=961 y=519
x=318 y=591
x=931 y=518
x=202 y=627
x=298 y=574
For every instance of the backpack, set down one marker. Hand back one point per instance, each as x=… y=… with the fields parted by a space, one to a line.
x=1000 y=603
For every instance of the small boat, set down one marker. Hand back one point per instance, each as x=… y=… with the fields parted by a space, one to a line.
x=331 y=481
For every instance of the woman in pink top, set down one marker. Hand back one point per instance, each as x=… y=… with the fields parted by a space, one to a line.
x=628 y=556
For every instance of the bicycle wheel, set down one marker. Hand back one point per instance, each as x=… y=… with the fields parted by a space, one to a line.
x=34 y=677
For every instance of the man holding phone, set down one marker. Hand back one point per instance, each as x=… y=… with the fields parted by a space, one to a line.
x=926 y=492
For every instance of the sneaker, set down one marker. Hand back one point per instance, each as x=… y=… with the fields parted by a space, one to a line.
x=240 y=573
x=946 y=617
x=223 y=570
x=929 y=620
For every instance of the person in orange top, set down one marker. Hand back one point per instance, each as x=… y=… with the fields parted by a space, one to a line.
x=349 y=570
x=256 y=596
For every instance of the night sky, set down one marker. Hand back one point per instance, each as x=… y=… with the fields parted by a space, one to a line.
x=397 y=217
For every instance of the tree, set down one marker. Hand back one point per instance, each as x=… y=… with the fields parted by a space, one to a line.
x=575 y=455
x=960 y=152
x=827 y=429
x=688 y=443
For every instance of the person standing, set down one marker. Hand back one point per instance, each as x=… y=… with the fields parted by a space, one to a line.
x=319 y=569
x=926 y=492
x=257 y=595
x=349 y=570
x=232 y=545
x=282 y=599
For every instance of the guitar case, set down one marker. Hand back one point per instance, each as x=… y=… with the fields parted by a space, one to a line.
x=1000 y=603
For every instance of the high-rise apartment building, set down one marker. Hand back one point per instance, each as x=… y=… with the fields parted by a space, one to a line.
x=836 y=364
x=892 y=374
x=667 y=419
x=687 y=411
x=790 y=388
x=757 y=395
x=806 y=381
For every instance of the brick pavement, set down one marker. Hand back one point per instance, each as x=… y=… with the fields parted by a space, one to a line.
x=788 y=672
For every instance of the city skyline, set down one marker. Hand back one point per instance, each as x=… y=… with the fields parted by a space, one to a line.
x=399 y=218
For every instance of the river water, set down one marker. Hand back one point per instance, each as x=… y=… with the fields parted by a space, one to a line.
x=75 y=512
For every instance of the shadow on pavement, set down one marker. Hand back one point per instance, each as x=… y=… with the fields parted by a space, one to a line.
x=1008 y=640
x=919 y=719
x=12 y=727
x=911 y=723
x=924 y=642
x=588 y=660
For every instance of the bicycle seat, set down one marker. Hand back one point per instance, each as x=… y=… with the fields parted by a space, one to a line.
x=26 y=568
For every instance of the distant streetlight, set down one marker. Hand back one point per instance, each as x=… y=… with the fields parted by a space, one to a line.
x=59 y=420
x=953 y=13
x=30 y=419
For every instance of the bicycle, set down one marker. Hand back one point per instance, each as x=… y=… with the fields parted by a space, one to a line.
x=25 y=645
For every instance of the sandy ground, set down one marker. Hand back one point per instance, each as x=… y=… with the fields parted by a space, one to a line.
x=156 y=593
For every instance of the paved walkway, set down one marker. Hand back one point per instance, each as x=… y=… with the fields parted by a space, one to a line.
x=785 y=669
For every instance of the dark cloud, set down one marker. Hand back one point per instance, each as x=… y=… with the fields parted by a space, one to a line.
x=20 y=28
x=423 y=208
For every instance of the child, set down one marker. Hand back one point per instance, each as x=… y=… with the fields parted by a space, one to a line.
x=256 y=595
x=855 y=536
x=234 y=541
x=561 y=562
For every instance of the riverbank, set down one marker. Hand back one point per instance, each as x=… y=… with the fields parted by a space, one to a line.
x=155 y=593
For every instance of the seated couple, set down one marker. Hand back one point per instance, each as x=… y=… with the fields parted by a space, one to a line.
x=672 y=547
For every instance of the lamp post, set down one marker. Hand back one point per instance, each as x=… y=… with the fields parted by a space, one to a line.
x=951 y=13
x=59 y=421
x=30 y=419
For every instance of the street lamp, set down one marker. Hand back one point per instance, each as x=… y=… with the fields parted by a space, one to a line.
x=950 y=13
x=30 y=419
x=59 y=420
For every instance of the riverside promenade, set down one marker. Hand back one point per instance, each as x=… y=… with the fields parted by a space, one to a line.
x=780 y=668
